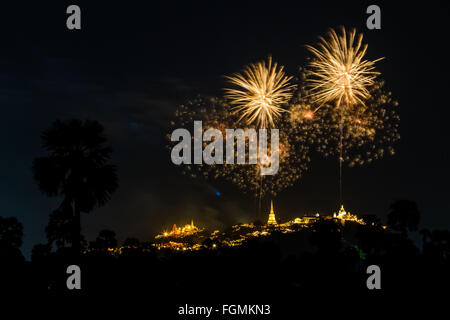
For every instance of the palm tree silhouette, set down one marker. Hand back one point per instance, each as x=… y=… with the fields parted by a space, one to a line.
x=404 y=216
x=76 y=169
x=60 y=227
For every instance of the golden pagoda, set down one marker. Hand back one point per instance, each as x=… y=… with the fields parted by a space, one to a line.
x=272 y=220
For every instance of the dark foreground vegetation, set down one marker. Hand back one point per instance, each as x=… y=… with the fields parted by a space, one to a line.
x=322 y=263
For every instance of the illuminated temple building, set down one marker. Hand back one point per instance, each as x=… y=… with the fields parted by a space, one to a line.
x=190 y=237
x=271 y=220
x=188 y=229
x=346 y=216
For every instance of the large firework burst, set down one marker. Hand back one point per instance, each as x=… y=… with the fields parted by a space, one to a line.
x=263 y=90
x=338 y=72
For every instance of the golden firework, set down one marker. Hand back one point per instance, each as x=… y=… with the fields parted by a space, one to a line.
x=263 y=89
x=370 y=131
x=215 y=113
x=338 y=71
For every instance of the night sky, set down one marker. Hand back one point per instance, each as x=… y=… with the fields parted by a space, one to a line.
x=132 y=64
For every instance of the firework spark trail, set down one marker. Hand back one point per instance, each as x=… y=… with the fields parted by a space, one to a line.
x=339 y=74
x=215 y=113
x=369 y=131
x=263 y=90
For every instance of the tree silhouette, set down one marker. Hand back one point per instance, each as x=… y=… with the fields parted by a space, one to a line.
x=131 y=247
x=40 y=252
x=371 y=219
x=371 y=237
x=436 y=244
x=11 y=233
x=131 y=242
x=326 y=236
x=60 y=227
x=404 y=216
x=106 y=239
x=76 y=169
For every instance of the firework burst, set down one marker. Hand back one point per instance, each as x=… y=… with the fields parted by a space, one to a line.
x=263 y=90
x=215 y=113
x=338 y=72
x=369 y=132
